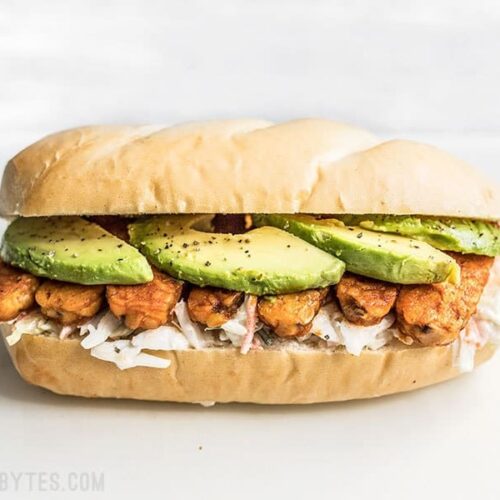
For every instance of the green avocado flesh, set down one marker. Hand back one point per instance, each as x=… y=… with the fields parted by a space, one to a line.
x=74 y=250
x=262 y=261
x=458 y=235
x=380 y=256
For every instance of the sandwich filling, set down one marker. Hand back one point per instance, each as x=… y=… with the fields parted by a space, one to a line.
x=129 y=288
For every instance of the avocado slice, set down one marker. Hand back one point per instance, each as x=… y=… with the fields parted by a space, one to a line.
x=262 y=261
x=385 y=257
x=458 y=235
x=73 y=249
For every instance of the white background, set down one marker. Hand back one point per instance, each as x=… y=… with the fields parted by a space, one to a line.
x=427 y=70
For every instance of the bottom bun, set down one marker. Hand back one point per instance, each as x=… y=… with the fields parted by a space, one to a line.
x=224 y=375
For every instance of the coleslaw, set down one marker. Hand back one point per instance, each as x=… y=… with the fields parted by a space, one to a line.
x=107 y=338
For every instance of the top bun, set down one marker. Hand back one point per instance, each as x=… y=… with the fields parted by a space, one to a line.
x=240 y=166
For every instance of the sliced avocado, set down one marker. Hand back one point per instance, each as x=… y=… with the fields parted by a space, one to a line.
x=380 y=256
x=73 y=249
x=262 y=261
x=458 y=235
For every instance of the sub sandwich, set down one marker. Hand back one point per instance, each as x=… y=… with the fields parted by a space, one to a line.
x=245 y=261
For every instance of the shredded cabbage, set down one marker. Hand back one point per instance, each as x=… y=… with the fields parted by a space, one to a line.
x=128 y=353
x=488 y=308
x=125 y=355
x=483 y=327
x=94 y=321
x=164 y=338
x=490 y=330
x=324 y=324
x=355 y=338
x=100 y=334
x=108 y=326
x=474 y=336
x=235 y=329
x=66 y=331
x=32 y=323
x=330 y=325
x=188 y=327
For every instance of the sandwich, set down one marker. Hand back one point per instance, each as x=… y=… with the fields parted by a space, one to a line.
x=245 y=261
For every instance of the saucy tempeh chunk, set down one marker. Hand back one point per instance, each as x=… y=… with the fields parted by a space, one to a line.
x=213 y=306
x=292 y=314
x=365 y=301
x=69 y=303
x=145 y=306
x=435 y=314
x=17 y=291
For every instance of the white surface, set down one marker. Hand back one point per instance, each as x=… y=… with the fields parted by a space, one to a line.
x=427 y=70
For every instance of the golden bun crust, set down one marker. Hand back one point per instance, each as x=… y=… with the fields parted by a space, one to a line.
x=224 y=375
x=240 y=166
